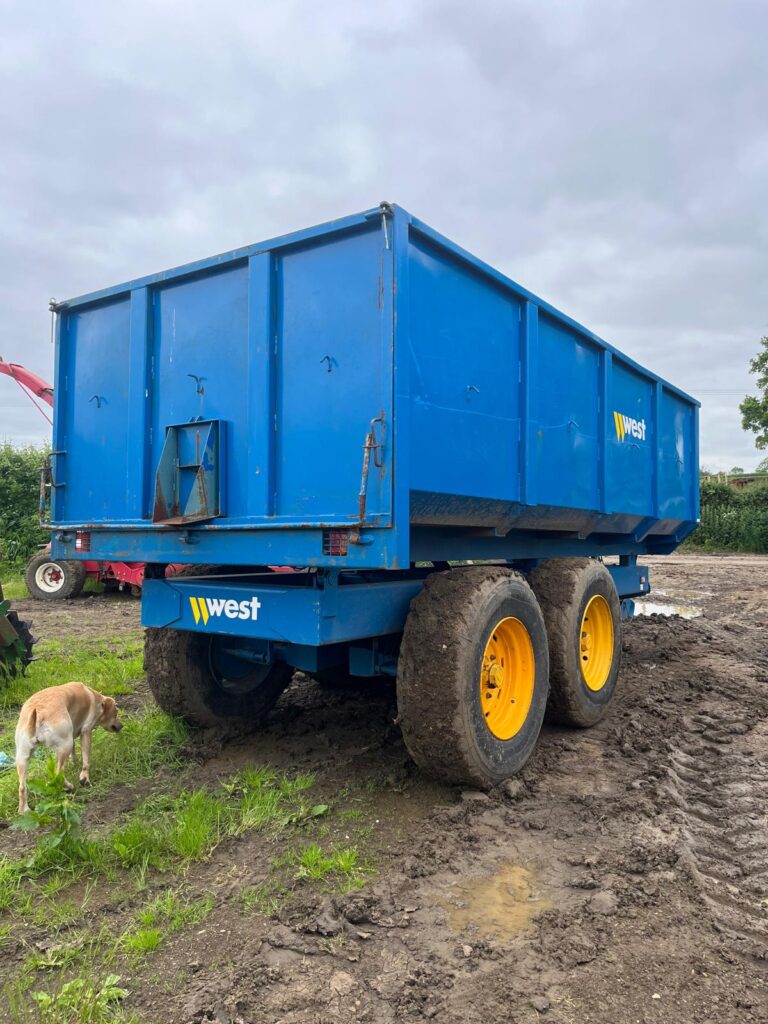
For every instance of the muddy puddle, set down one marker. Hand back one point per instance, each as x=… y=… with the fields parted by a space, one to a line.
x=501 y=905
x=644 y=606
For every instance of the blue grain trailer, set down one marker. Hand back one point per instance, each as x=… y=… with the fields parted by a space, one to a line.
x=439 y=458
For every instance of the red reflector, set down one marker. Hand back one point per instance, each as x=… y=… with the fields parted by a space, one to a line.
x=335 y=542
x=82 y=542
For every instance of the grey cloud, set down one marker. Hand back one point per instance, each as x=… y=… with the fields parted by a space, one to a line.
x=611 y=156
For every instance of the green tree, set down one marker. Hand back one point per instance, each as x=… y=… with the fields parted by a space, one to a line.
x=736 y=470
x=762 y=467
x=754 y=408
x=20 y=531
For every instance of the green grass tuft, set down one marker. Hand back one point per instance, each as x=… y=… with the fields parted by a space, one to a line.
x=143 y=940
x=342 y=865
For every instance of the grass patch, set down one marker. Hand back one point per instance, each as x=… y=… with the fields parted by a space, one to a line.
x=142 y=941
x=14 y=588
x=162 y=916
x=337 y=870
x=190 y=826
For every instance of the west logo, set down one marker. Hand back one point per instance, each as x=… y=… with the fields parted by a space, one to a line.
x=214 y=607
x=625 y=425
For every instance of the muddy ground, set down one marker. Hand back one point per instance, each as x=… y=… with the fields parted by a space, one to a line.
x=622 y=877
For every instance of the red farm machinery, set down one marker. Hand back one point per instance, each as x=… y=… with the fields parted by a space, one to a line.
x=48 y=579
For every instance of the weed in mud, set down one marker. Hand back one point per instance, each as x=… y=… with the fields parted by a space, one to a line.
x=201 y=820
x=267 y=800
x=55 y=811
x=171 y=908
x=82 y=1000
x=54 y=914
x=188 y=828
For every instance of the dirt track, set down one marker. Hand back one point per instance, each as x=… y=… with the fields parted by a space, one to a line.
x=622 y=877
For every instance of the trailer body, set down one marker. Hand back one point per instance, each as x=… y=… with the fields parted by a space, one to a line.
x=352 y=400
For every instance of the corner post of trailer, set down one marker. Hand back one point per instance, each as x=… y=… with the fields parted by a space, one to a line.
x=59 y=445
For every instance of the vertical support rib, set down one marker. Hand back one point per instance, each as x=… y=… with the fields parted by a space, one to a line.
x=139 y=405
x=656 y=449
x=606 y=423
x=529 y=378
x=261 y=428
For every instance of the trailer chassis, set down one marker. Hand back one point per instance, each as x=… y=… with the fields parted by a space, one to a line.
x=319 y=619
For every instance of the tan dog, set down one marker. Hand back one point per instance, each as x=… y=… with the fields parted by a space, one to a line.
x=54 y=718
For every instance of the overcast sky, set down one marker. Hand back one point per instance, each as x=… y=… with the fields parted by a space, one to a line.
x=611 y=156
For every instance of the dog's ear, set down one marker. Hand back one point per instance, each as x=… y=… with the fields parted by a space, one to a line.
x=108 y=709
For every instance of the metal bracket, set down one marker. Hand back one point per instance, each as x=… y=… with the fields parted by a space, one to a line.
x=187 y=479
x=372 y=444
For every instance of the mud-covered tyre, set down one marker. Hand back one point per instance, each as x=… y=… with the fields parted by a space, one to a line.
x=465 y=721
x=182 y=676
x=582 y=612
x=50 y=580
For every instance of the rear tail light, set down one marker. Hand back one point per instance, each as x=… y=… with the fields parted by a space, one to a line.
x=82 y=541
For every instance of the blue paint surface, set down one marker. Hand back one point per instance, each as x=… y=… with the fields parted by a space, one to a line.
x=501 y=423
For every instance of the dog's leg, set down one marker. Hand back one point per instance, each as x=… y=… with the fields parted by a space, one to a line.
x=22 y=763
x=85 y=751
x=25 y=744
x=63 y=750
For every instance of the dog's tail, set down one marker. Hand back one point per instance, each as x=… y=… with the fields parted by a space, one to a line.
x=30 y=724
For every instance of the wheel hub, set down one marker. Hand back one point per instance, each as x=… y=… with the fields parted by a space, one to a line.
x=49 y=577
x=596 y=642
x=507 y=677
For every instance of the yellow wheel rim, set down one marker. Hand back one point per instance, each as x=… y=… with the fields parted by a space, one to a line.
x=506 y=678
x=596 y=643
